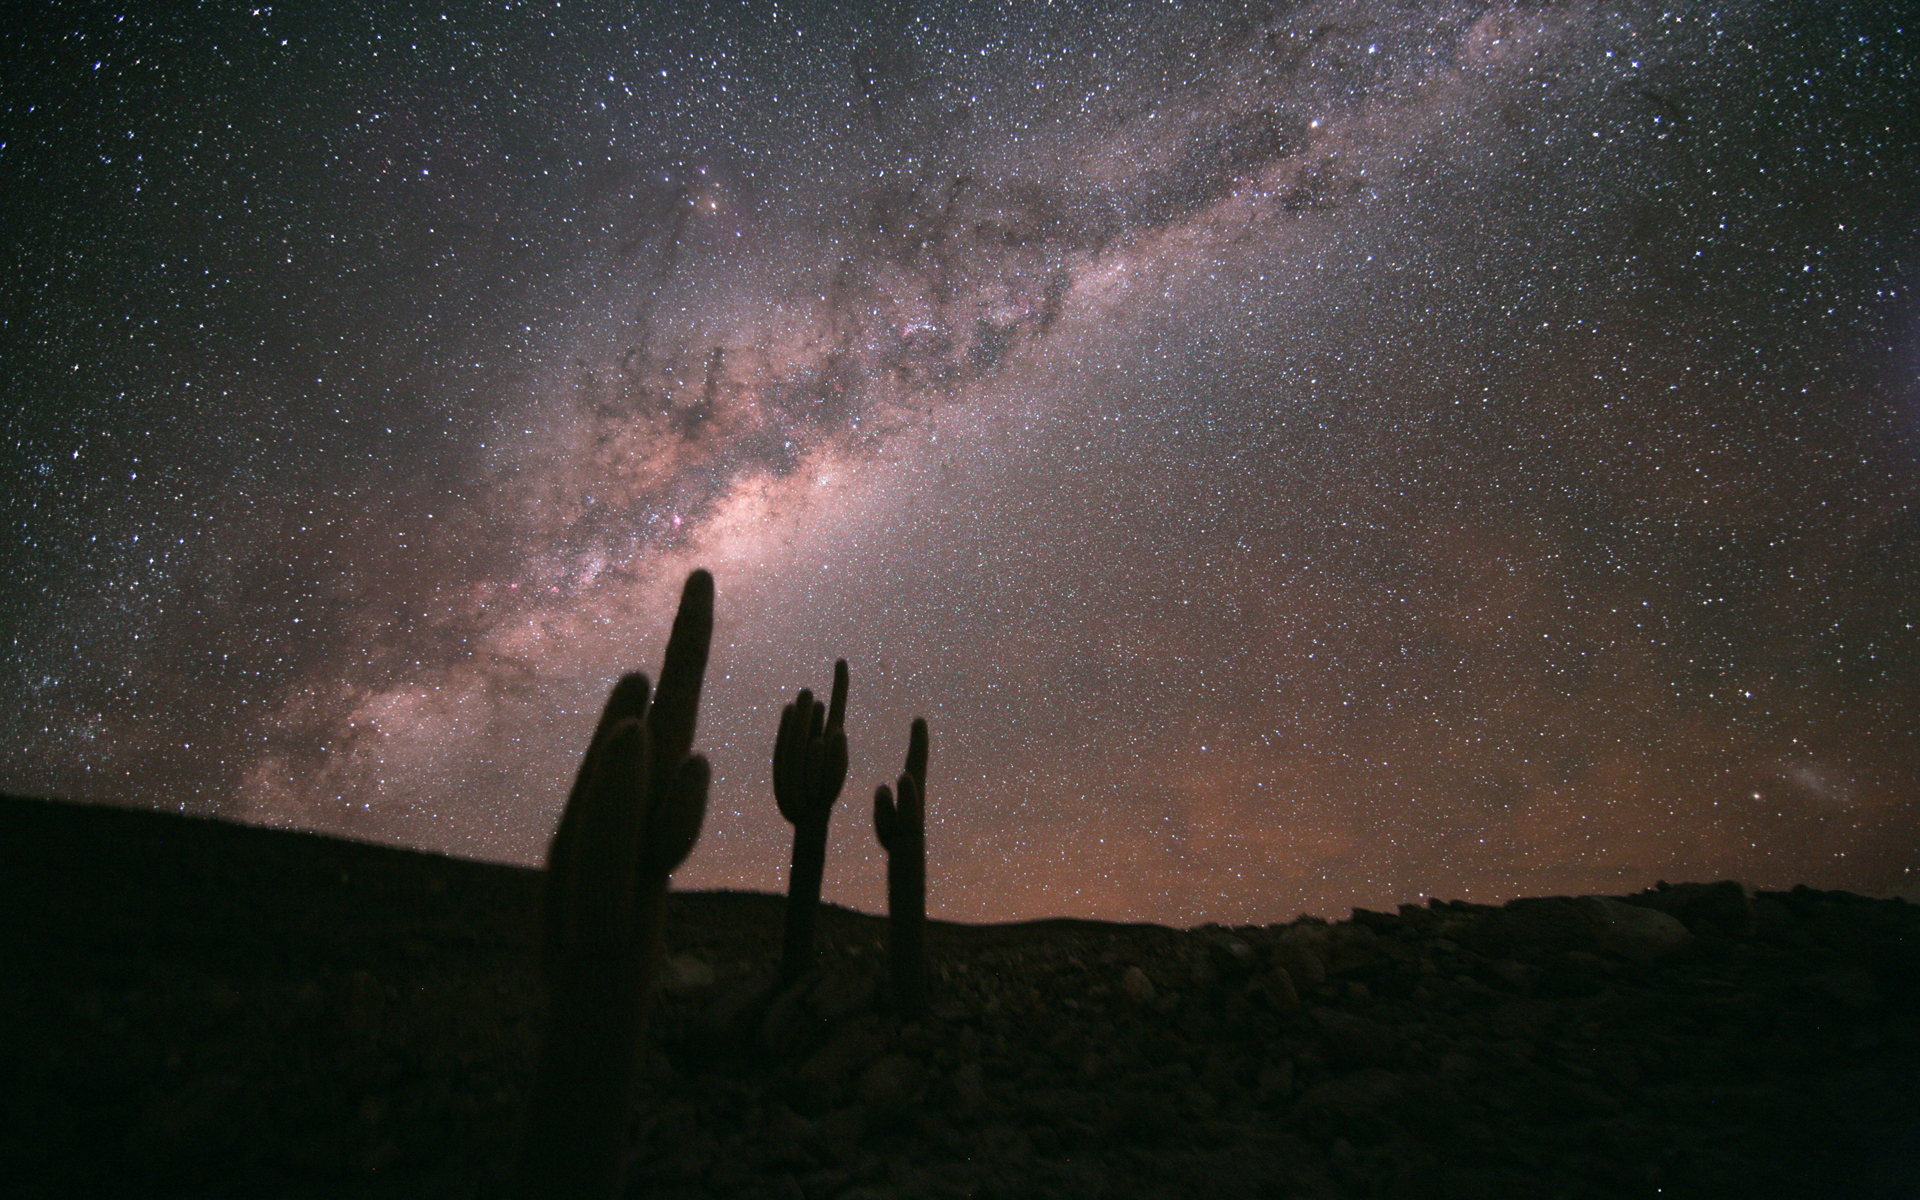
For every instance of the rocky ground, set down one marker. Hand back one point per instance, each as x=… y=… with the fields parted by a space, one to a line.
x=201 y=1009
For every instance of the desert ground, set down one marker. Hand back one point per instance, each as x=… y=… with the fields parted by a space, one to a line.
x=206 y=1009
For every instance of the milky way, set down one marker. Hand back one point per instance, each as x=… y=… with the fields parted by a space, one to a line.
x=1294 y=455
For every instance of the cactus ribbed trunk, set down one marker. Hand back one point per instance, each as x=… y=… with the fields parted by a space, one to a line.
x=575 y=1139
x=803 y=898
x=906 y=929
x=809 y=768
x=901 y=826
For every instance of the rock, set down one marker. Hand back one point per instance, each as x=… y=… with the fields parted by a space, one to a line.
x=824 y=1184
x=966 y=1091
x=1384 y=924
x=1007 y=1144
x=1205 y=973
x=1852 y=986
x=840 y=1133
x=789 y=1025
x=1231 y=957
x=1520 y=976
x=948 y=1008
x=1641 y=934
x=1350 y=947
x=1143 y=1118
x=1356 y=1041
x=1523 y=1019
x=892 y=1081
x=789 y=1139
x=1274 y=1083
x=1137 y=986
x=1091 y=1065
x=1531 y=929
x=685 y=974
x=841 y=994
x=737 y=1011
x=1302 y=953
x=1723 y=909
x=1280 y=990
x=1575 y=973
x=1359 y=1105
x=848 y=1050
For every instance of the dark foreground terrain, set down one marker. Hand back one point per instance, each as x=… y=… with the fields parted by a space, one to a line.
x=192 y=1008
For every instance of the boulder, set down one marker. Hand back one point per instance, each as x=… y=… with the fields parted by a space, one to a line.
x=1630 y=931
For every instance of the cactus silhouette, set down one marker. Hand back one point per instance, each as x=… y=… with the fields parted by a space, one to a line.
x=809 y=769
x=901 y=826
x=632 y=817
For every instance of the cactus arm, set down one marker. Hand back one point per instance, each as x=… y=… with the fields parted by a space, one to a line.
x=831 y=770
x=676 y=702
x=632 y=817
x=917 y=753
x=790 y=757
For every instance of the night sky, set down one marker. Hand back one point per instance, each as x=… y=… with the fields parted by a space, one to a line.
x=1294 y=455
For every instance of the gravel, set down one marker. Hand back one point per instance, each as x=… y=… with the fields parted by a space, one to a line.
x=204 y=1009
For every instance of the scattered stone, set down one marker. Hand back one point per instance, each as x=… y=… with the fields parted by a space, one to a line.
x=1137 y=986
x=1690 y=1040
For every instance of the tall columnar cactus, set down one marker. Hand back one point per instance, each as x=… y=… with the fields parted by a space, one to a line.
x=632 y=817
x=809 y=769
x=902 y=828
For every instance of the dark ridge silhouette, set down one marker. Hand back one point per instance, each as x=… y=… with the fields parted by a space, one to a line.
x=194 y=1008
x=901 y=826
x=809 y=769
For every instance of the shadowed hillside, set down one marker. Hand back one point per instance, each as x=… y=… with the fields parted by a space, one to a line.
x=205 y=1009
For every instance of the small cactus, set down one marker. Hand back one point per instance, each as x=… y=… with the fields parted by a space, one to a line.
x=902 y=828
x=809 y=769
x=632 y=817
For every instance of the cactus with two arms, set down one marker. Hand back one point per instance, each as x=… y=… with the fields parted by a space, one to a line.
x=809 y=769
x=632 y=817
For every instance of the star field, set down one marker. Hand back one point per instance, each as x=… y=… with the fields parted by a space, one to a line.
x=1294 y=455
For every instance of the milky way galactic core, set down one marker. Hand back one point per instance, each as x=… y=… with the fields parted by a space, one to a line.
x=1294 y=455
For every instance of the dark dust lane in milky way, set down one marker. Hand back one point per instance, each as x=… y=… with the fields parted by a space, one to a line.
x=1295 y=455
